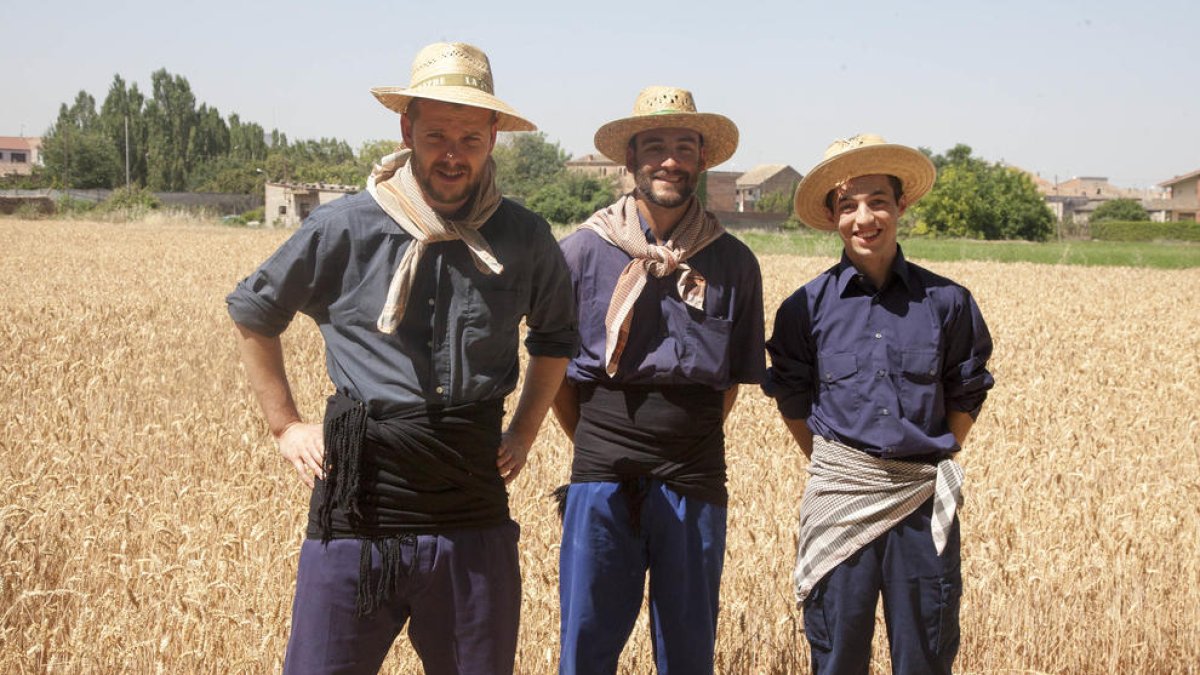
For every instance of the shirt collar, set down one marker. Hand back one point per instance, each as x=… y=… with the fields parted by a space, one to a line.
x=847 y=273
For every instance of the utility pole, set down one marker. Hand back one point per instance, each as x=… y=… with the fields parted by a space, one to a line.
x=126 y=152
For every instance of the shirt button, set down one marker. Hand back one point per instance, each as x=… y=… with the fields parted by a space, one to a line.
x=440 y=390
x=429 y=344
x=431 y=302
x=829 y=377
x=878 y=335
x=883 y=411
x=932 y=371
x=881 y=373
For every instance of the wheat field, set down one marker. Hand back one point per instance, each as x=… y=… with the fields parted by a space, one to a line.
x=148 y=525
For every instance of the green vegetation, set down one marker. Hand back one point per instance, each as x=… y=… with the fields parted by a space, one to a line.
x=981 y=200
x=1120 y=209
x=533 y=171
x=167 y=144
x=1144 y=230
x=1163 y=255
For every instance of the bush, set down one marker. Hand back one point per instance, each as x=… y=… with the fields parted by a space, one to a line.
x=68 y=205
x=1129 y=230
x=130 y=201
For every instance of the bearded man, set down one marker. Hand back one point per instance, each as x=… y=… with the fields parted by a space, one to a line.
x=418 y=286
x=671 y=322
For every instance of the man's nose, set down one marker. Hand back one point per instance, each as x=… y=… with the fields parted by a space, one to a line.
x=864 y=216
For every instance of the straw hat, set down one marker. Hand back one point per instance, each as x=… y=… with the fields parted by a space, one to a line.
x=662 y=107
x=453 y=72
x=862 y=155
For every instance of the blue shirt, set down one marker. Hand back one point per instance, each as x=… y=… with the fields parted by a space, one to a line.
x=878 y=369
x=457 y=342
x=669 y=342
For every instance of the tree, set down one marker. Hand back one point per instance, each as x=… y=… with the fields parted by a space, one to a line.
x=171 y=115
x=779 y=201
x=75 y=150
x=979 y=199
x=569 y=198
x=1120 y=209
x=123 y=121
x=525 y=162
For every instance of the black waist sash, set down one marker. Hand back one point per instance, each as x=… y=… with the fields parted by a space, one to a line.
x=672 y=433
x=424 y=471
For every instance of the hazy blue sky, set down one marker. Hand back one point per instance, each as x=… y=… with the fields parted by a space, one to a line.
x=1060 y=88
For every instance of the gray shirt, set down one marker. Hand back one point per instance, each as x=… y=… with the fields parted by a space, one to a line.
x=457 y=342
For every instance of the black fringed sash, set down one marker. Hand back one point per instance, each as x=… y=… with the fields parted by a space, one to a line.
x=421 y=472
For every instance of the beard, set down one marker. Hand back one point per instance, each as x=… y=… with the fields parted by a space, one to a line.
x=668 y=195
x=447 y=195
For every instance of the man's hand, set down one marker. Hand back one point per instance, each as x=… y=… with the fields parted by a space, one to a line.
x=511 y=456
x=303 y=445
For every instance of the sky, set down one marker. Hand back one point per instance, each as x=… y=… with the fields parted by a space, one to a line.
x=1059 y=88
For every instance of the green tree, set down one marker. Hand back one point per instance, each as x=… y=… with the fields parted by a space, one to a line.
x=982 y=200
x=123 y=121
x=568 y=198
x=75 y=150
x=779 y=201
x=525 y=162
x=171 y=116
x=1120 y=209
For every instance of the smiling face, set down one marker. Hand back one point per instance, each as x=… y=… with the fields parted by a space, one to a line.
x=450 y=145
x=867 y=211
x=666 y=165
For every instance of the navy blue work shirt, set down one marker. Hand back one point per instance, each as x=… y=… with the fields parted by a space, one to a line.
x=669 y=342
x=457 y=342
x=879 y=369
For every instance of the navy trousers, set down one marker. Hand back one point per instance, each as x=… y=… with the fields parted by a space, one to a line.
x=602 y=572
x=461 y=599
x=921 y=593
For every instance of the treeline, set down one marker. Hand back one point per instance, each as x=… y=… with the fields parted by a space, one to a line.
x=167 y=143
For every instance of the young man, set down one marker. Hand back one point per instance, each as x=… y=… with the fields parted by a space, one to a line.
x=671 y=322
x=418 y=286
x=879 y=368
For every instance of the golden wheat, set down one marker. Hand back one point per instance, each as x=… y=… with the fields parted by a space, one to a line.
x=147 y=524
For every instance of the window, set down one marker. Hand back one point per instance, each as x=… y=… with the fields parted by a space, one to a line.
x=17 y=157
x=283 y=209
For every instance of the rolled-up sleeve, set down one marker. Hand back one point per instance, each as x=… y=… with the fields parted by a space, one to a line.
x=965 y=377
x=789 y=380
x=552 y=321
x=268 y=299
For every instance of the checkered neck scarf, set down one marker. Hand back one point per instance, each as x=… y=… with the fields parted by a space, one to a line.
x=619 y=225
x=397 y=192
x=853 y=498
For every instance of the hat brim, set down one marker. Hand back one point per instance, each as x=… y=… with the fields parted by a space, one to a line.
x=912 y=167
x=398 y=98
x=720 y=134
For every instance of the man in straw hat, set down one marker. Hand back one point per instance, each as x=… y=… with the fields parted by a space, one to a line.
x=418 y=287
x=670 y=323
x=879 y=368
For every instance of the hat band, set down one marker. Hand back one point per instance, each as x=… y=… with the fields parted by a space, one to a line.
x=455 y=80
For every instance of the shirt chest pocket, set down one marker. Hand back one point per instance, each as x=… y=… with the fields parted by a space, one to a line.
x=837 y=390
x=920 y=386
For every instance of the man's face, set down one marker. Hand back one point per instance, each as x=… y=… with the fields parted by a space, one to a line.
x=451 y=145
x=866 y=212
x=666 y=165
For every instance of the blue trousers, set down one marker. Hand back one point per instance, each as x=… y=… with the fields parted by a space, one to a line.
x=461 y=599
x=602 y=571
x=921 y=593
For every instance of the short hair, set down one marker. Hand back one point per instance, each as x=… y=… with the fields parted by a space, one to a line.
x=897 y=190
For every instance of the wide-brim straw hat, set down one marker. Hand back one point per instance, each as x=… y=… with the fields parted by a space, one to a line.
x=862 y=155
x=453 y=72
x=669 y=107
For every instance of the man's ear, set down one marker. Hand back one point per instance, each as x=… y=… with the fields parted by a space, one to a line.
x=902 y=205
x=406 y=130
x=630 y=159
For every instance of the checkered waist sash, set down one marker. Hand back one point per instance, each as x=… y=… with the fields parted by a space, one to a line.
x=853 y=497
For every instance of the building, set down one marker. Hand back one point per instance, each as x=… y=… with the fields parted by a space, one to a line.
x=1182 y=201
x=601 y=167
x=762 y=180
x=720 y=190
x=288 y=204
x=19 y=154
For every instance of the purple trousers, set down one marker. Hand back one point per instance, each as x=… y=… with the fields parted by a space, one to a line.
x=460 y=596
